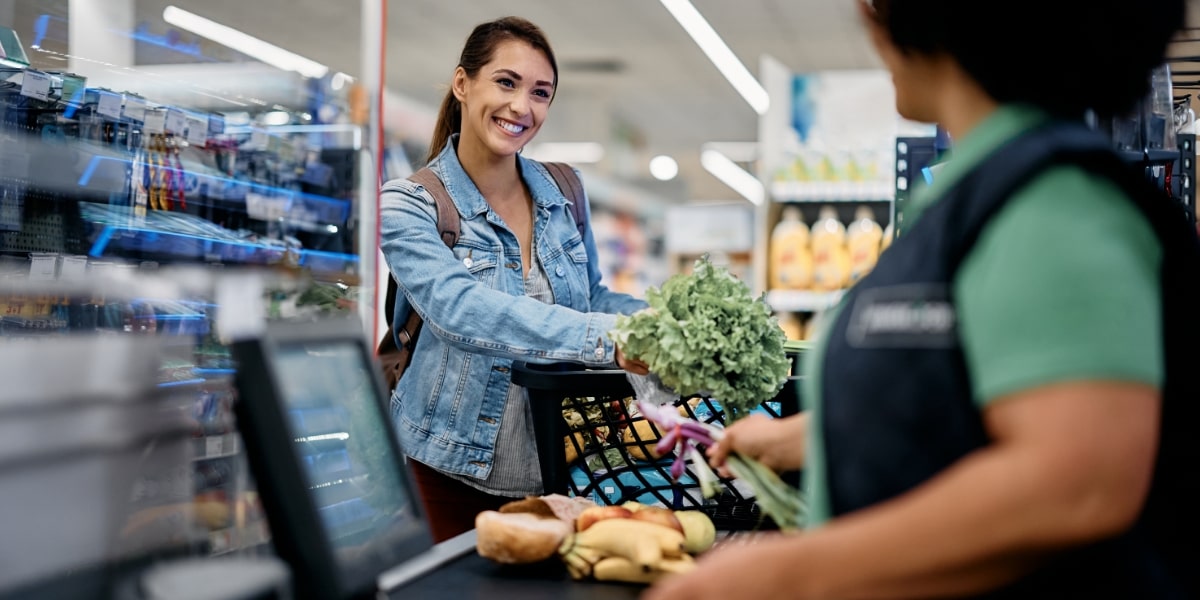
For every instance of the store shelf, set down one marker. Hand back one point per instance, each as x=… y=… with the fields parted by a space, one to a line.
x=802 y=301
x=301 y=209
x=185 y=237
x=217 y=446
x=831 y=191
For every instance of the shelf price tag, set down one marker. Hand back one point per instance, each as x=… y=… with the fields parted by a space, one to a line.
x=214 y=445
x=110 y=105
x=42 y=267
x=197 y=131
x=36 y=85
x=73 y=267
x=240 y=312
x=135 y=109
x=216 y=125
x=176 y=121
x=156 y=120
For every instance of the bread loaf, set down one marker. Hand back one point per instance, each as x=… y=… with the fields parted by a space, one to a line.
x=518 y=538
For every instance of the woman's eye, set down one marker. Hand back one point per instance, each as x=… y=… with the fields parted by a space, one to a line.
x=506 y=82
x=542 y=93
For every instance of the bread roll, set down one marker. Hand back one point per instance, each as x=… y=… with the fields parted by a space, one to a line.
x=518 y=538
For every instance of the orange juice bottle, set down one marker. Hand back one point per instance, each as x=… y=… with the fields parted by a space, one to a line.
x=791 y=261
x=831 y=259
x=863 y=238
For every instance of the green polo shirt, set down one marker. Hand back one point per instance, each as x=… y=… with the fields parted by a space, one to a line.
x=1062 y=285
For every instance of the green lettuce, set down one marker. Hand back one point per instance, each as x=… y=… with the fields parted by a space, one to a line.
x=703 y=333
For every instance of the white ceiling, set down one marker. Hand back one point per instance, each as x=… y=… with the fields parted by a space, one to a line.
x=666 y=93
x=666 y=90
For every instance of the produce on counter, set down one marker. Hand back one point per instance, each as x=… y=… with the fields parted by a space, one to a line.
x=596 y=514
x=704 y=334
x=633 y=543
x=518 y=538
x=699 y=533
x=644 y=544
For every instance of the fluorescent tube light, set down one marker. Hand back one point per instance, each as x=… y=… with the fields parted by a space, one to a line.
x=568 y=152
x=246 y=44
x=733 y=176
x=719 y=53
x=742 y=152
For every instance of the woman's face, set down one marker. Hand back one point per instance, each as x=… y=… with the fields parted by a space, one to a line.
x=504 y=106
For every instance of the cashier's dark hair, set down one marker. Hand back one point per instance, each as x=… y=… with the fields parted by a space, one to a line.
x=478 y=51
x=1065 y=56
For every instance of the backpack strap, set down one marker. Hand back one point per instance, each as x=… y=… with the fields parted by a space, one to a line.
x=571 y=187
x=448 y=227
x=447 y=213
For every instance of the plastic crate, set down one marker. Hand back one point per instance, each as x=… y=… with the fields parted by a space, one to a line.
x=614 y=466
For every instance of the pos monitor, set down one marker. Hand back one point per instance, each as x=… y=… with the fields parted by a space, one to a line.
x=340 y=501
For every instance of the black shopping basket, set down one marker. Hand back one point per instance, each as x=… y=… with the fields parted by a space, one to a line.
x=592 y=443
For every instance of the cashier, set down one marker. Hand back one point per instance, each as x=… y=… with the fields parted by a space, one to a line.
x=1002 y=408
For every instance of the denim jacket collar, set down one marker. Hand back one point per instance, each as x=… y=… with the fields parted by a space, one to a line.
x=466 y=195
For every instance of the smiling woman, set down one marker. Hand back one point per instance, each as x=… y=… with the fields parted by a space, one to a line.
x=521 y=281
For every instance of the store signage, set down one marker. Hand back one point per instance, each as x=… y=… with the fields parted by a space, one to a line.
x=109 y=105
x=36 y=85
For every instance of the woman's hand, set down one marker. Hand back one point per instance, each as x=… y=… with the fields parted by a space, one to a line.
x=776 y=443
x=634 y=366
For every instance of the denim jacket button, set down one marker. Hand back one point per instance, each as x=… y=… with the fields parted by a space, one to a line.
x=599 y=353
x=559 y=271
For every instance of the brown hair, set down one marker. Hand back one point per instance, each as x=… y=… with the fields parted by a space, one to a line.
x=478 y=50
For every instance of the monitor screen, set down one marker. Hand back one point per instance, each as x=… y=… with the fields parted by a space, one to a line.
x=340 y=434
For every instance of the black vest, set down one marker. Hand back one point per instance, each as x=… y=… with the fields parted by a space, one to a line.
x=897 y=397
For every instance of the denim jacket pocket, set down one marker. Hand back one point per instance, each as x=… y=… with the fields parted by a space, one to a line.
x=481 y=262
x=575 y=260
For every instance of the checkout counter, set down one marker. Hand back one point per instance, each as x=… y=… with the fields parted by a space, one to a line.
x=465 y=575
x=344 y=517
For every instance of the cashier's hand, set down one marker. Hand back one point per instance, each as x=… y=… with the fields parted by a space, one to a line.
x=776 y=443
x=752 y=570
x=634 y=366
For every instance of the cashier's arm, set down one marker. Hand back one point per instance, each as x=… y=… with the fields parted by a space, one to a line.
x=1069 y=464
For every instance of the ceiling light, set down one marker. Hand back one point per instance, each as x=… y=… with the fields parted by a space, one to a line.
x=664 y=168
x=246 y=44
x=276 y=118
x=741 y=152
x=568 y=152
x=733 y=176
x=339 y=80
x=719 y=53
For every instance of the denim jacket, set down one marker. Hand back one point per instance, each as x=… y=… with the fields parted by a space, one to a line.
x=477 y=319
